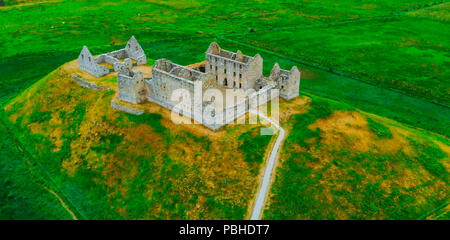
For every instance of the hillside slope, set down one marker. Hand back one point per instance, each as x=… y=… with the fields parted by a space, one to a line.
x=337 y=162
x=341 y=163
x=113 y=165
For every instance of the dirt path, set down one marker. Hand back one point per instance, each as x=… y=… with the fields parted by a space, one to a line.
x=269 y=169
x=74 y=217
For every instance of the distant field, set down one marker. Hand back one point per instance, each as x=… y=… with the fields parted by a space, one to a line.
x=56 y=38
x=409 y=53
x=367 y=97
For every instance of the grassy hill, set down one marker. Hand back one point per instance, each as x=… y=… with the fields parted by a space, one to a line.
x=388 y=58
x=108 y=164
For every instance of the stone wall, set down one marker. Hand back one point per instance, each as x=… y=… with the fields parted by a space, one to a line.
x=87 y=84
x=132 y=87
x=222 y=68
x=168 y=77
x=88 y=63
x=135 y=51
x=125 y=109
x=233 y=70
x=287 y=81
x=163 y=84
x=229 y=114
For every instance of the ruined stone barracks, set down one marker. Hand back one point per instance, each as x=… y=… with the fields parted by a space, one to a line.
x=88 y=63
x=222 y=70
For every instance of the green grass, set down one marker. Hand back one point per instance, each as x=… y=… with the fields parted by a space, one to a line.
x=407 y=53
x=152 y=20
x=82 y=192
x=113 y=165
x=373 y=51
x=39 y=117
x=33 y=45
x=379 y=129
x=152 y=119
x=254 y=146
x=320 y=181
x=178 y=32
x=22 y=192
x=370 y=98
x=429 y=157
x=108 y=143
x=318 y=109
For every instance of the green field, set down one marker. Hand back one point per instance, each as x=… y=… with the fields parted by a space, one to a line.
x=408 y=53
x=22 y=195
x=389 y=58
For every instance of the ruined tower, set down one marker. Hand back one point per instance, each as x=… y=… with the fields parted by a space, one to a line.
x=233 y=70
x=287 y=81
x=132 y=87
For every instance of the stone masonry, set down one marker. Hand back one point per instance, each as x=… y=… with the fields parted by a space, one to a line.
x=223 y=70
x=132 y=87
x=168 y=77
x=287 y=81
x=88 y=63
x=233 y=70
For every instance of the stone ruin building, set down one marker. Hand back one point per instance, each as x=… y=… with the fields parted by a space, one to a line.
x=288 y=82
x=168 y=77
x=233 y=70
x=222 y=70
x=237 y=71
x=88 y=63
x=131 y=84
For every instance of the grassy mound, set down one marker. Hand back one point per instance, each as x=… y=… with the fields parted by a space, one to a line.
x=336 y=162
